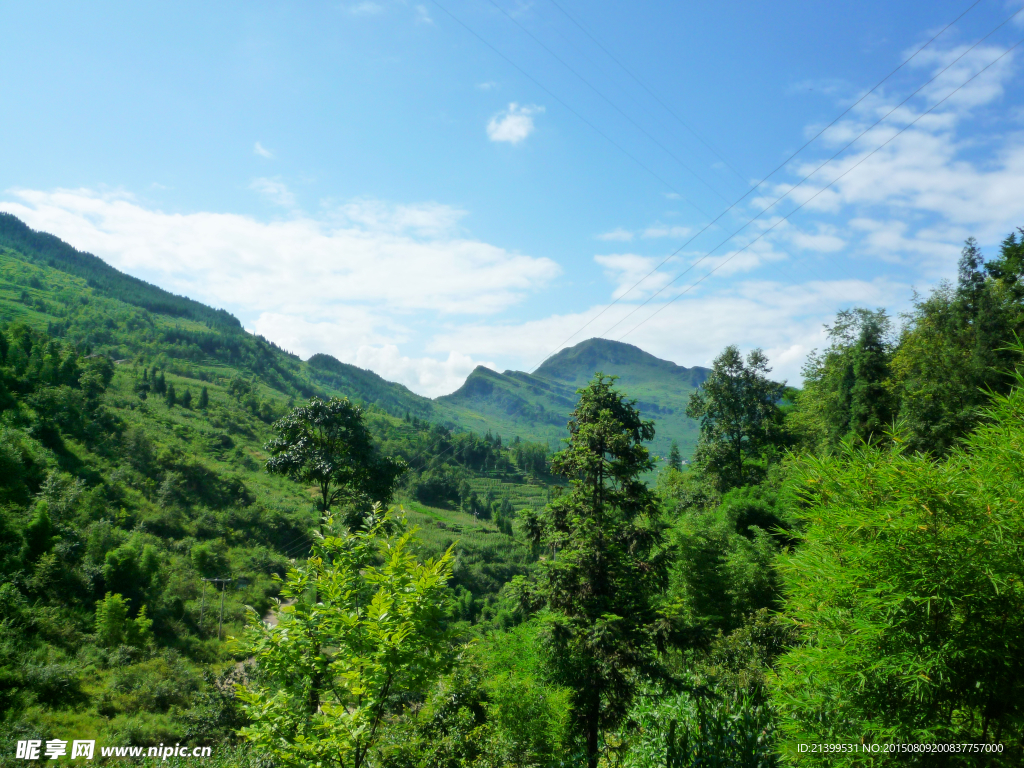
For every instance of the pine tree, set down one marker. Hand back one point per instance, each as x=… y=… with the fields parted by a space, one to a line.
x=871 y=410
x=204 y=399
x=170 y=397
x=159 y=383
x=675 y=460
x=601 y=590
x=186 y=399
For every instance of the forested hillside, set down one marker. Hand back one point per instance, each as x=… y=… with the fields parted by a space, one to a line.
x=132 y=452
x=836 y=565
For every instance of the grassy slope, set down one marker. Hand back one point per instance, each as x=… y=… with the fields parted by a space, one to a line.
x=536 y=406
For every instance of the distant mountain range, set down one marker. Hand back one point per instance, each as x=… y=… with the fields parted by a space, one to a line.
x=534 y=406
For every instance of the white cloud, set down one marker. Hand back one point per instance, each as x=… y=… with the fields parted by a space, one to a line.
x=424 y=219
x=423 y=15
x=626 y=269
x=275 y=191
x=259 y=149
x=514 y=124
x=785 y=320
x=422 y=374
x=618 y=234
x=367 y=8
x=662 y=230
x=673 y=196
x=368 y=341
x=489 y=85
x=365 y=274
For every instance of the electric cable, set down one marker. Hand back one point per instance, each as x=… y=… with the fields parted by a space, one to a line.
x=785 y=162
x=615 y=106
x=790 y=189
x=820 y=191
x=643 y=85
x=580 y=117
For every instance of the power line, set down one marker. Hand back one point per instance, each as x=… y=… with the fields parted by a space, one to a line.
x=580 y=117
x=769 y=175
x=822 y=165
x=820 y=191
x=615 y=106
x=652 y=93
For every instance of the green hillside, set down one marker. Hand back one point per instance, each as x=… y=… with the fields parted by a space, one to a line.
x=110 y=484
x=537 y=405
x=531 y=406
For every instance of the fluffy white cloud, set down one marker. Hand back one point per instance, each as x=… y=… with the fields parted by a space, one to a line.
x=785 y=320
x=915 y=199
x=617 y=234
x=259 y=149
x=627 y=269
x=514 y=124
x=275 y=191
x=662 y=230
x=423 y=374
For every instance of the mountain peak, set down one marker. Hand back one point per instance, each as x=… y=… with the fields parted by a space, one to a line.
x=580 y=362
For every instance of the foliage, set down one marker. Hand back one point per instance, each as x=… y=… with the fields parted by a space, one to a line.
x=737 y=407
x=330 y=670
x=909 y=590
x=114 y=628
x=709 y=728
x=325 y=443
x=482 y=716
x=607 y=564
x=845 y=393
x=956 y=348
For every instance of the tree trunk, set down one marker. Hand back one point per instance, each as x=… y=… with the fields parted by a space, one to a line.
x=593 y=717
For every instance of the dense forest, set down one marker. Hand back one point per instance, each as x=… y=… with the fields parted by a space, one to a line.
x=204 y=541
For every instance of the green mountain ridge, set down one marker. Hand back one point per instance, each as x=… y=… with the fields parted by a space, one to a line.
x=533 y=406
x=538 y=405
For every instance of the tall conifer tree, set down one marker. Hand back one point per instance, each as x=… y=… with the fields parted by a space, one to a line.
x=608 y=564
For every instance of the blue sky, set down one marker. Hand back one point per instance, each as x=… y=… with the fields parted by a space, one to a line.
x=421 y=188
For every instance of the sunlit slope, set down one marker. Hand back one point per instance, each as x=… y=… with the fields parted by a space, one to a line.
x=537 y=405
x=45 y=282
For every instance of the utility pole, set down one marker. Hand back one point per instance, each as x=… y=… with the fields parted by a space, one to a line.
x=222 y=583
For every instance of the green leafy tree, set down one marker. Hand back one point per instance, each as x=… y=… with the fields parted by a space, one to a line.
x=204 y=399
x=955 y=349
x=846 y=390
x=114 y=628
x=380 y=612
x=909 y=591
x=325 y=443
x=608 y=568
x=675 y=459
x=738 y=410
x=129 y=571
x=38 y=535
x=1008 y=268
